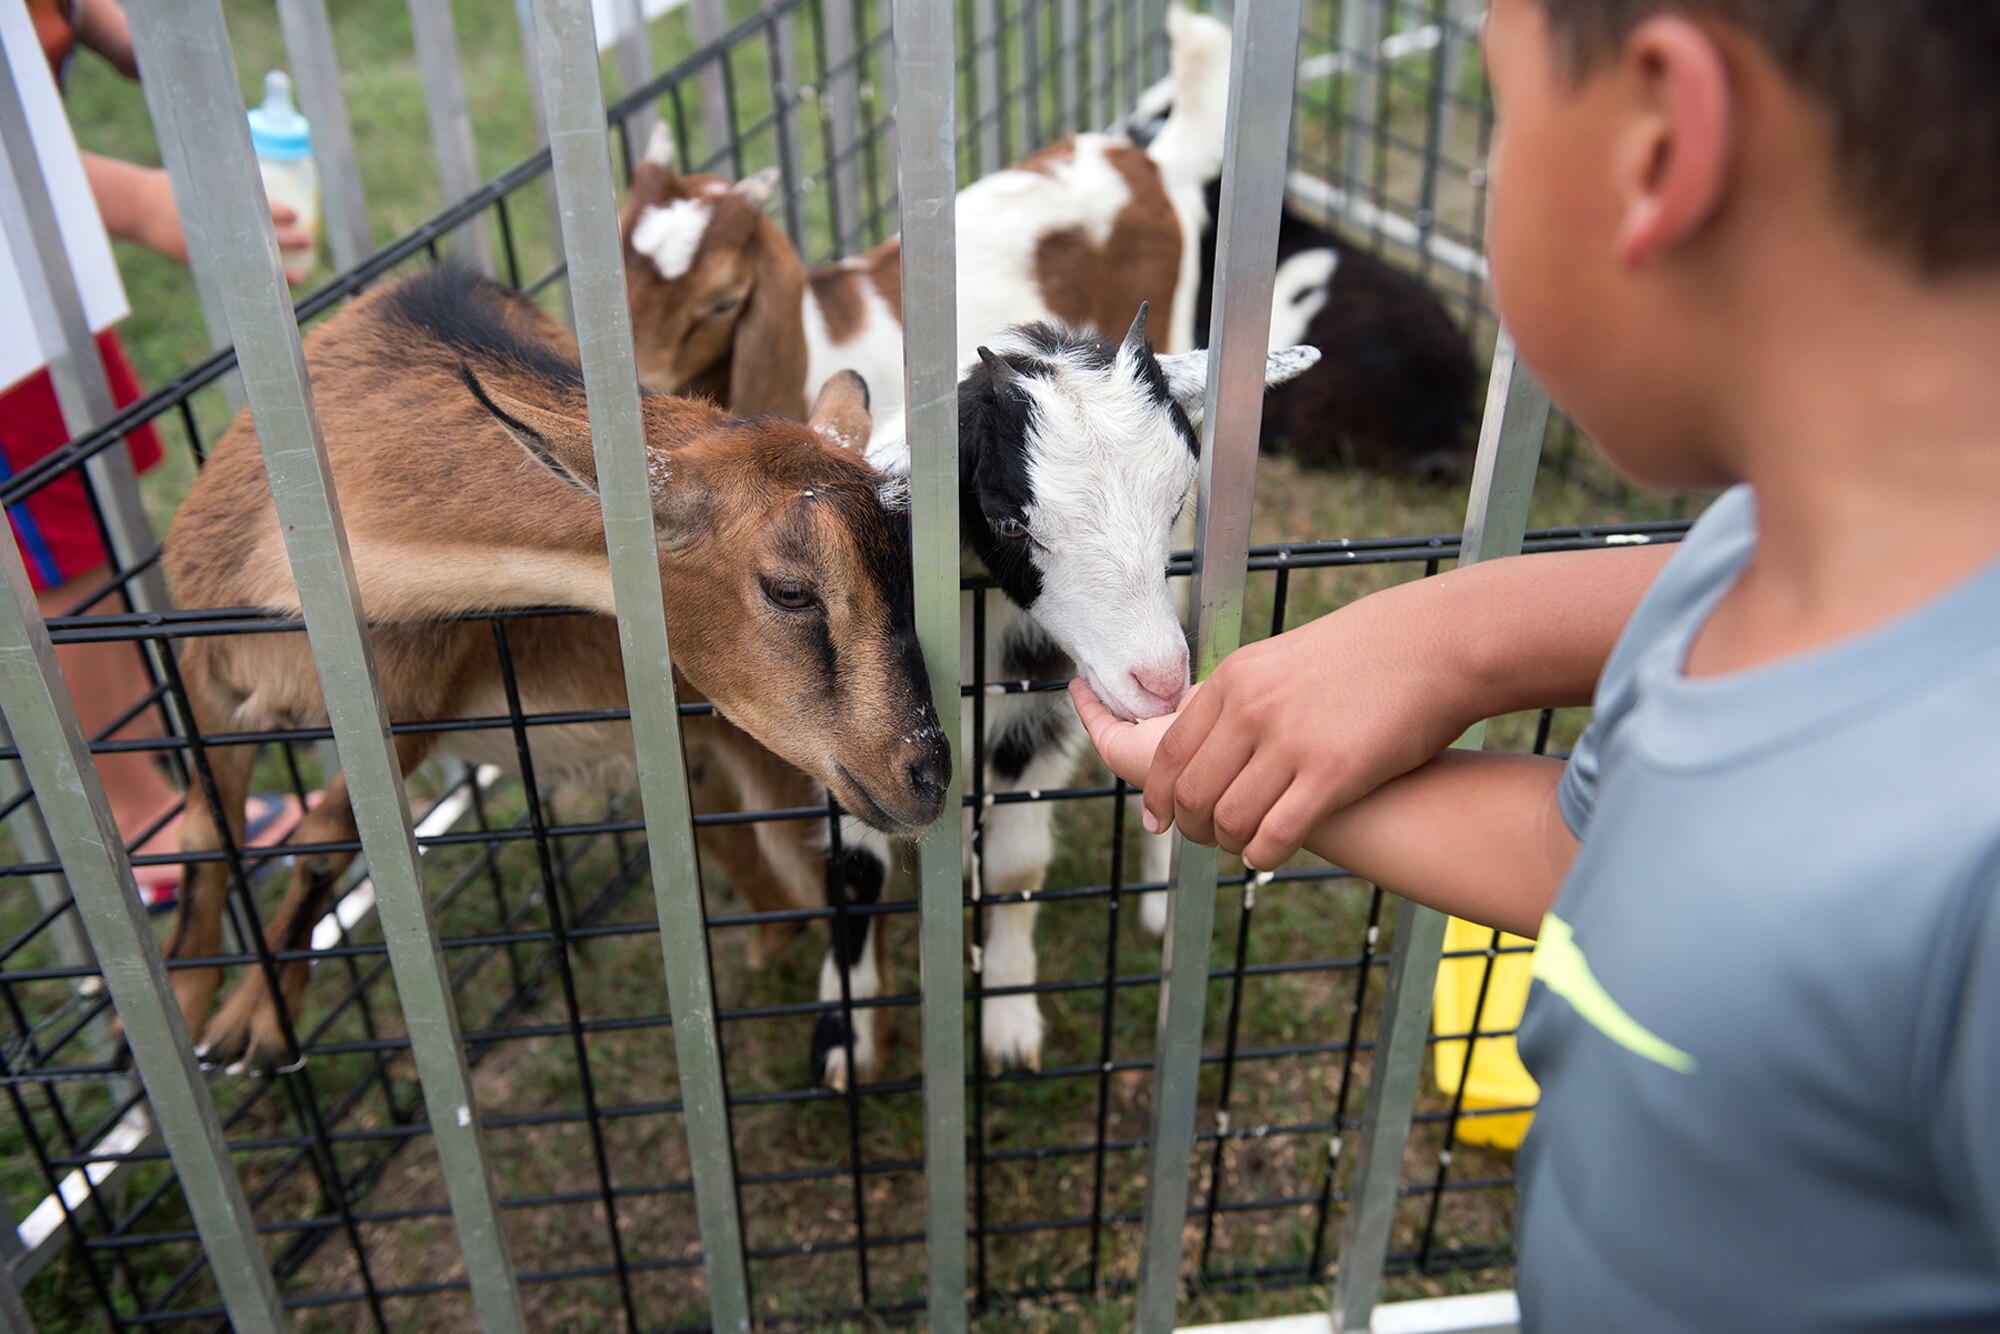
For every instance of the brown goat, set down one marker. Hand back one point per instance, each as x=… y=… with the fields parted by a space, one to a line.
x=456 y=426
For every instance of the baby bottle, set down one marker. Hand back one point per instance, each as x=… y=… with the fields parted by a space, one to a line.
x=283 y=142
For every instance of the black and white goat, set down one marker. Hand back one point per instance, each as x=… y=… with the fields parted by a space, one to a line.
x=1077 y=462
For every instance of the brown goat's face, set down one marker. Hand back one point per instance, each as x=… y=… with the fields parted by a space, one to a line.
x=716 y=291
x=785 y=561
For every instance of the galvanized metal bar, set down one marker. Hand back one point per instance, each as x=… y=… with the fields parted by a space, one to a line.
x=316 y=72
x=888 y=147
x=1069 y=63
x=1263 y=59
x=31 y=841
x=1363 y=24
x=927 y=189
x=207 y=285
x=709 y=24
x=38 y=705
x=1102 y=72
x=1155 y=39
x=531 y=49
x=989 y=115
x=1503 y=482
x=76 y=368
x=635 y=66
x=451 y=122
x=1463 y=21
x=582 y=174
x=839 y=101
x=184 y=45
x=783 y=38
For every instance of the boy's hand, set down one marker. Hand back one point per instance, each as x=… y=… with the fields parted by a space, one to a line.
x=1126 y=748
x=1290 y=730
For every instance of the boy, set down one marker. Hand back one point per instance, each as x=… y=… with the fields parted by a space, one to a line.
x=1752 y=243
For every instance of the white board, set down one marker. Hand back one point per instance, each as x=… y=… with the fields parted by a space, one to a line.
x=89 y=250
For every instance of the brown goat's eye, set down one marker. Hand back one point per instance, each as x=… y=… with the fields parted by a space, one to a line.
x=789 y=594
x=724 y=308
x=1010 y=529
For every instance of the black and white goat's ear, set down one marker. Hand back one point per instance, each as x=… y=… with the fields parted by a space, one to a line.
x=1187 y=374
x=557 y=437
x=840 y=413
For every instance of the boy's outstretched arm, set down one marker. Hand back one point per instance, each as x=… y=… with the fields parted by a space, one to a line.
x=1287 y=731
x=1472 y=834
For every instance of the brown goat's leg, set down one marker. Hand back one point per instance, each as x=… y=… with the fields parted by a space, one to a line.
x=248 y=1029
x=197 y=929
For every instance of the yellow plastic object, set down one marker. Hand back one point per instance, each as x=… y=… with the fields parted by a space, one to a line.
x=1497 y=1078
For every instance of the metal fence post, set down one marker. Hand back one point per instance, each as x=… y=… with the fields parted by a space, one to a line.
x=989 y=99
x=1264 y=59
x=839 y=99
x=38 y=707
x=185 y=47
x=583 y=184
x=1503 y=482
x=709 y=24
x=316 y=69
x=635 y=66
x=927 y=190
x=1363 y=23
x=451 y=122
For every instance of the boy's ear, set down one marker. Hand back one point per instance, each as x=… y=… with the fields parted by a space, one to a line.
x=1674 y=156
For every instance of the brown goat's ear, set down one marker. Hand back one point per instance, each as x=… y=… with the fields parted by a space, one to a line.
x=556 y=438
x=767 y=361
x=840 y=413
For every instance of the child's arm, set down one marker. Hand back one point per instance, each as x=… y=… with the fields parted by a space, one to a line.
x=1288 y=731
x=1469 y=833
x=137 y=204
x=101 y=26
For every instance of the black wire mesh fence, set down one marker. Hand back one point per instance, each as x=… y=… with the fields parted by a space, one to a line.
x=553 y=959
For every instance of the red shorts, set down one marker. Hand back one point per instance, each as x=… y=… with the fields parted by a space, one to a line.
x=54 y=526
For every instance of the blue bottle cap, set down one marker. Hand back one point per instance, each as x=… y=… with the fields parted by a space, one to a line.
x=277 y=130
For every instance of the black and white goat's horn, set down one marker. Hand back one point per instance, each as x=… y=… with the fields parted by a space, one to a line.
x=1003 y=374
x=1135 y=338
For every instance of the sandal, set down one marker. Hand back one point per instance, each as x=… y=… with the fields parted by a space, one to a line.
x=270 y=819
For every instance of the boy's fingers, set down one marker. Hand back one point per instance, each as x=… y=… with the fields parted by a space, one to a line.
x=1222 y=757
x=1241 y=810
x=1198 y=713
x=1284 y=829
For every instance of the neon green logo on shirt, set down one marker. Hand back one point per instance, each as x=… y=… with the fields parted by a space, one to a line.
x=1561 y=967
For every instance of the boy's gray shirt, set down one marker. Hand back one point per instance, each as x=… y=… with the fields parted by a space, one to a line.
x=1766 y=1020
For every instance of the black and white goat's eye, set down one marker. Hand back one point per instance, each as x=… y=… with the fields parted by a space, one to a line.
x=789 y=594
x=1010 y=529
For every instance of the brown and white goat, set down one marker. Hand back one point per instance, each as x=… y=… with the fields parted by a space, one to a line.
x=1082 y=232
x=456 y=426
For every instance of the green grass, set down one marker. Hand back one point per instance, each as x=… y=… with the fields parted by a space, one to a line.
x=619 y=976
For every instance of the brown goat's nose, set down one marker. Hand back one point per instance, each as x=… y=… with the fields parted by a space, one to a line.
x=929 y=776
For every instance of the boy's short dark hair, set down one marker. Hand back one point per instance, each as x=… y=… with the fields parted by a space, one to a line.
x=1911 y=89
